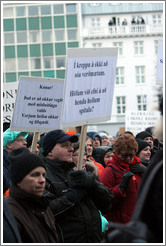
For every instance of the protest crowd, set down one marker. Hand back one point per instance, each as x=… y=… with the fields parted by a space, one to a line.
x=49 y=199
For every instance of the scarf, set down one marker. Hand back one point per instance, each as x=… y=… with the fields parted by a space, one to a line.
x=123 y=163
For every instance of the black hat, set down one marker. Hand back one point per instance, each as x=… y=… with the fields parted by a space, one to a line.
x=98 y=136
x=141 y=145
x=29 y=140
x=23 y=162
x=144 y=134
x=54 y=137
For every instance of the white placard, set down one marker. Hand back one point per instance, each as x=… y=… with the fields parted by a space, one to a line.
x=160 y=63
x=38 y=104
x=137 y=121
x=9 y=98
x=89 y=86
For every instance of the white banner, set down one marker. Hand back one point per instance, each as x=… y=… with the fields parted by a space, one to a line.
x=89 y=85
x=160 y=63
x=38 y=105
x=9 y=98
x=137 y=121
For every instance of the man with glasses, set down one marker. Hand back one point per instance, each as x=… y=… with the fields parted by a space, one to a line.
x=11 y=140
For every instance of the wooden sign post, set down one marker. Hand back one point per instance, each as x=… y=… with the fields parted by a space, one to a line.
x=36 y=137
x=82 y=146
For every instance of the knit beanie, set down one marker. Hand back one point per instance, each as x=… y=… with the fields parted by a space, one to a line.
x=141 y=145
x=54 y=137
x=23 y=162
x=144 y=134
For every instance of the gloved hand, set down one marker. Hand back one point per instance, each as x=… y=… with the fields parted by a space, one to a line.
x=91 y=167
x=75 y=195
x=125 y=180
x=137 y=168
x=81 y=179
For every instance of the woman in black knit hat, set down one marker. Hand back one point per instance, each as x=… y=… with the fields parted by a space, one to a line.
x=143 y=152
x=34 y=219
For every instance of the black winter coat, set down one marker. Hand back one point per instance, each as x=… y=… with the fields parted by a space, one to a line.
x=75 y=210
x=152 y=212
x=35 y=221
x=10 y=230
x=6 y=165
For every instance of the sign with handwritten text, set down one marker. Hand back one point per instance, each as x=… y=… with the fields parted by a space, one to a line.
x=38 y=104
x=137 y=121
x=89 y=85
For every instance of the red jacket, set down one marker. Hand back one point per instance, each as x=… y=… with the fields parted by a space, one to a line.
x=99 y=165
x=124 y=203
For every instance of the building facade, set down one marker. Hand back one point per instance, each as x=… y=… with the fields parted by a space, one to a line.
x=36 y=37
x=112 y=25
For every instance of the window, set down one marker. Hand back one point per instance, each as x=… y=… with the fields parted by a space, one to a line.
x=138 y=47
x=58 y=9
x=34 y=37
x=45 y=10
x=9 y=38
x=156 y=19
x=22 y=64
x=60 y=62
x=94 y=4
x=48 y=62
x=121 y=104
x=142 y=102
x=140 y=74
x=72 y=34
x=96 y=45
x=59 y=35
x=46 y=36
x=20 y=11
x=70 y=8
x=95 y=22
x=8 y=12
x=35 y=63
x=156 y=46
x=120 y=47
x=33 y=10
x=10 y=65
x=21 y=37
x=120 y=76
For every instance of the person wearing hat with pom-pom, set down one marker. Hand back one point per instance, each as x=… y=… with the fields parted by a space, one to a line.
x=29 y=207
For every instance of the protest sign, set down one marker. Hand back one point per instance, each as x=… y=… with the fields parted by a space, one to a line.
x=9 y=98
x=160 y=63
x=89 y=86
x=137 y=121
x=38 y=104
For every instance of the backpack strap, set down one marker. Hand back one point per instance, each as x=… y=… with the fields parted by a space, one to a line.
x=144 y=192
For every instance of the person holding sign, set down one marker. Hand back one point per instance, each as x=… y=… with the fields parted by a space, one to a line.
x=76 y=196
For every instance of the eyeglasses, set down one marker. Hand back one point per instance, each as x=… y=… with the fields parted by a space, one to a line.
x=128 y=155
x=21 y=140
